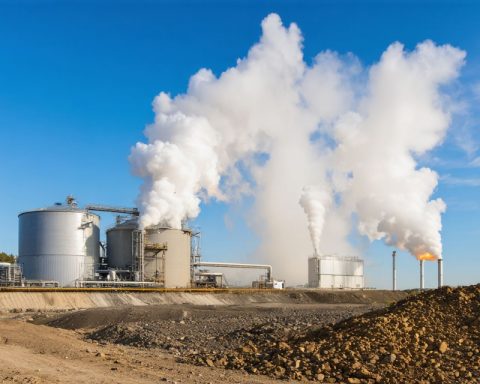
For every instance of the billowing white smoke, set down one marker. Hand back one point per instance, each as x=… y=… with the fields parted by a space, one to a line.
x=402 y=116
x=315 y=203
x=340 y=139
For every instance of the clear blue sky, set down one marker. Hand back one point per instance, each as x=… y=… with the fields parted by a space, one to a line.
x=77 y=80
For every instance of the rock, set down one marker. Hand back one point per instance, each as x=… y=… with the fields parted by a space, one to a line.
x=353 y=380
x=283 y=345
x=443 y=347
x=209 y=362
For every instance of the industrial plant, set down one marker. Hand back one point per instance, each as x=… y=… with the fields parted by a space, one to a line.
x=59 y=246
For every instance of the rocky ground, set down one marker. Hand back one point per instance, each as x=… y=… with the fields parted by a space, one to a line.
x=430 y=338
x=199 y=331
x=433 y=337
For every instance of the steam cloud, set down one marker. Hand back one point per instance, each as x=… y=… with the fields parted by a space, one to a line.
x=340 y=139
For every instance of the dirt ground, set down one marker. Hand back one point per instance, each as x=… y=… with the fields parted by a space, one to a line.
x=147 y=343
x=31 y=352
x=37 y=354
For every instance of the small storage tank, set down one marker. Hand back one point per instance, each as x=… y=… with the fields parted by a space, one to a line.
x=167 y=256
x=335 y=272
x=59 y=243
x=119 y=245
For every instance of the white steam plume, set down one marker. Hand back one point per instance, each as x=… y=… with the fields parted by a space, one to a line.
x=273 y=126
x=402 y=116
x=315 y=203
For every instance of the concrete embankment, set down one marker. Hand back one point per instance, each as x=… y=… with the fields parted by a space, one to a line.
x=67 y=300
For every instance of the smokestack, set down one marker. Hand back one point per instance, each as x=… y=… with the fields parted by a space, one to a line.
x=440 y=273
x=421 y=276
x=394 y=276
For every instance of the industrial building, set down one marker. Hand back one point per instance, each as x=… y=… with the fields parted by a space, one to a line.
x=60 y=246
x=335 y=272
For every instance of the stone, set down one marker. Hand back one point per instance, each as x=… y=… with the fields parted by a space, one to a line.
x=353 y=380
x=443 y=347
x=209 y=362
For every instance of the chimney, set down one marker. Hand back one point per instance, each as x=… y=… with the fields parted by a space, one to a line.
x=394 y=271
x=421 y=276
x=440 y=273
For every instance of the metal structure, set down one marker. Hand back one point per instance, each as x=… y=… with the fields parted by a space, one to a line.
x=394 y=271
x=156 y=254
x=119 y=245
x=267 y=267
x=166 y=258
x=206 y=279
x=440 y=273
x=422 y=280
x=335 y=272
x=108 y=208
x=59 y=243
x=10 y=275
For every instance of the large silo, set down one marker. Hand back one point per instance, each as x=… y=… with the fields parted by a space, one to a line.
x=167 y=256
x=120 y=243
x=59 y=243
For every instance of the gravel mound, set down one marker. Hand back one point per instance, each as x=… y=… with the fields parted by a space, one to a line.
x=218 y=330
x=433 y=337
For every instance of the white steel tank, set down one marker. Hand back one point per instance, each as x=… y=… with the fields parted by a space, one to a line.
x=59 y=243
x=170 y=265
x=119 y=244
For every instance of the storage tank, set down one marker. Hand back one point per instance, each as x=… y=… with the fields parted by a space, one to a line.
x=167 y=256
x=119 y=245
x=331 y=271
x=59 y=243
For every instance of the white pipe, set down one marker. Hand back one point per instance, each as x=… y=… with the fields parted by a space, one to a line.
x=394 y=277
x=440 y=273
x=236 y=265
x=421 y=276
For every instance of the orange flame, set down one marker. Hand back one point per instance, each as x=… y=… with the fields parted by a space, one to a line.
x=426 y=256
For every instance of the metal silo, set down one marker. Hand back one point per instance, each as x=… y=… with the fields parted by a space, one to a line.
x=59 y=243
x=167 y=256
x=119 y=245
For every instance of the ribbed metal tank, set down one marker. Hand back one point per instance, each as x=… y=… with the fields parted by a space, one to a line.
x=119 y=245
x=59 y=243
x=172 y=266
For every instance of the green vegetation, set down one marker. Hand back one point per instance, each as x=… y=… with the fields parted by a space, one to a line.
x=6 y=258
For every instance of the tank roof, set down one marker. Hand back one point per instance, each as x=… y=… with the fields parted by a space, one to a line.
x=58 y=208
x=166 y=227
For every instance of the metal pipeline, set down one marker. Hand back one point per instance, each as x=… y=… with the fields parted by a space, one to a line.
x=421 y=276
x=236 y=265
x=394 y=276
x=440 y=273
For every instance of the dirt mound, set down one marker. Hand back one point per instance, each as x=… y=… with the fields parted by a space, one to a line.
x=96 y=317
x=433 y=337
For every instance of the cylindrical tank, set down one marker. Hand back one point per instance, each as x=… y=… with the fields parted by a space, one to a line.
x=59 y=243
x=171 y=265
x=119 y=245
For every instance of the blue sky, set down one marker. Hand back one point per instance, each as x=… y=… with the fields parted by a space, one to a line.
x=77 y=80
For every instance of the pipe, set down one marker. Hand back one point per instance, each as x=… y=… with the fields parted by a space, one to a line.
x=440 y=273
x=421 y=276
x=394 y=272
x=236 y=265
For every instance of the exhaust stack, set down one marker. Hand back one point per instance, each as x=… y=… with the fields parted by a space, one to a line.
x=394 y=272
x=421 y=276
x=440 y=273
